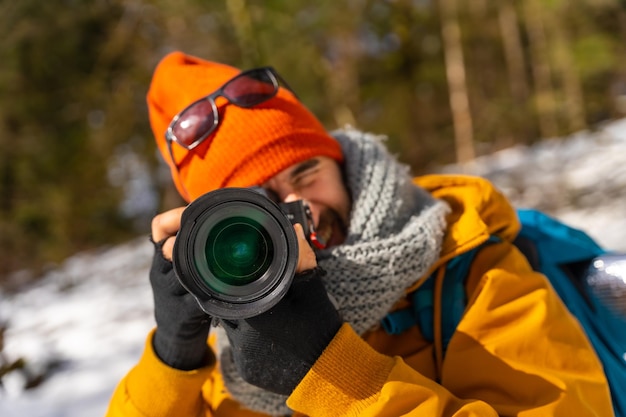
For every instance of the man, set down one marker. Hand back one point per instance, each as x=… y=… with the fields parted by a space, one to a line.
x=321 y=351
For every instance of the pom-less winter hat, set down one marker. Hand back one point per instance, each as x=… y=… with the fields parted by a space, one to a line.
x=249 y=146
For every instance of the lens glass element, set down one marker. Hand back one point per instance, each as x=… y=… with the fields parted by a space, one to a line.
x=238 y=251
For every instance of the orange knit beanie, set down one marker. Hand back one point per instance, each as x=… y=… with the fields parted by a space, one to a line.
x=249 y=146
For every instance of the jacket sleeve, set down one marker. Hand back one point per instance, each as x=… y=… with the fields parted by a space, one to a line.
x=153 y=389
x=516 y=351
x=352 y=379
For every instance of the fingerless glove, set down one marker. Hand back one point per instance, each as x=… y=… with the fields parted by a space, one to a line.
x=180 y=340
x=276 y=349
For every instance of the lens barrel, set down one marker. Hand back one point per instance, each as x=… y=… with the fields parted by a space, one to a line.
x=236 y=253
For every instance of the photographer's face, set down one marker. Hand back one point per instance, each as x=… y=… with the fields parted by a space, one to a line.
x=319 y=182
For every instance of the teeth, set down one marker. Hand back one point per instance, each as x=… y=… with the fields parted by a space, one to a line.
x=325 y=235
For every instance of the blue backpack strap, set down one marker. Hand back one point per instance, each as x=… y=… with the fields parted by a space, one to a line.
x=453 y=301
x=420 y=313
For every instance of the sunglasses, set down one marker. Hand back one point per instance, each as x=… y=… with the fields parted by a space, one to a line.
x=200 y=119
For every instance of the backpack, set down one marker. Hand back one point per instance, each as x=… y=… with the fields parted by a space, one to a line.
x=563 y=254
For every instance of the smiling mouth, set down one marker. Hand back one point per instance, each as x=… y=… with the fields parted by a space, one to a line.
x=325 y=235
x=331 y=231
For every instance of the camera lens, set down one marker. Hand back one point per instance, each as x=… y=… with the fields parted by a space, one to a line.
x=238 y=251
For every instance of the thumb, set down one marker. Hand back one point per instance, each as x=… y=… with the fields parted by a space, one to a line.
x=306 y=256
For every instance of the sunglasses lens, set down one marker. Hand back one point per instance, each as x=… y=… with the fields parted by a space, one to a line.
x=250 y=89
x=194 y=124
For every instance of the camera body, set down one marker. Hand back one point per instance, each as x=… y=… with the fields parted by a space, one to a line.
x=237 y=252
x=295 y=211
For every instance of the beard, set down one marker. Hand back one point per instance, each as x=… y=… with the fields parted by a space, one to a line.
x=331 y=228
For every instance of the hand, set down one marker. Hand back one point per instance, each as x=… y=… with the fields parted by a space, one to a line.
x=164 y=229
x=180 y=339
x=276 y=349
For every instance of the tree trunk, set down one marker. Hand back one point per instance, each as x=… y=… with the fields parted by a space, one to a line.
x=342 y=78
x=242 y=22
x=455 y=72
x=564 y=62
x=545 y=103
x=513 y=51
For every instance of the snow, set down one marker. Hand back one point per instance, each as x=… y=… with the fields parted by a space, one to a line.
x=84 y=324
x=580 y=179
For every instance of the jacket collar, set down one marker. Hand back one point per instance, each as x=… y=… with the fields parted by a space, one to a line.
x=478 y=211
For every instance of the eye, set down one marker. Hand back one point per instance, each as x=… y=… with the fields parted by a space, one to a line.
x=305 y=179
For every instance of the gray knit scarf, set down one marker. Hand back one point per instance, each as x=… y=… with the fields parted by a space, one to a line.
x=394 y=236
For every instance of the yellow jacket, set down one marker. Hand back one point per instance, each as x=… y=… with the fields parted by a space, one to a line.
x=516 y=352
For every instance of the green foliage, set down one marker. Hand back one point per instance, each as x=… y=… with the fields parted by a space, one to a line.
x=55 y=196
x=595 y=54
x=74 y=75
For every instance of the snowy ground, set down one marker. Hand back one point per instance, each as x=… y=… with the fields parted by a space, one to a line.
x=88 y=321
x=85 y=323
x=580 y=179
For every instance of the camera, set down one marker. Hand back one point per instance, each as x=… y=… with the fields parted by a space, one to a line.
x=236 y=251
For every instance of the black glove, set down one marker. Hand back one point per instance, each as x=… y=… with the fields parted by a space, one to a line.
x=182 y=327
x=276 y=349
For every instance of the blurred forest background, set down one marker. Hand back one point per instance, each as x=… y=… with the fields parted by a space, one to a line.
x=446 y=80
